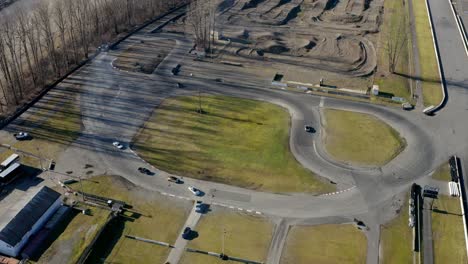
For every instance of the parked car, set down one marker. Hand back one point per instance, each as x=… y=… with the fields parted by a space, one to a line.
x=195 y=191
x=187 y=232
x=144 y=170
x=407 y=106
x=21 y=136
x=173 y=179
x=118 y=145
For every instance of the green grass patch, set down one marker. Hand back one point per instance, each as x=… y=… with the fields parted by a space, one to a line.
x=324 y=244
x=360 y=138
x=397 y=239
x=432 y=93
x=236 y=141
x=395 y=12
x=246 y=236
x=443 y=173
x=447 y=231
x=152 y=216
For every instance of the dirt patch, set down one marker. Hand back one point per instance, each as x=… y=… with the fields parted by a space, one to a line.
x=144 y=55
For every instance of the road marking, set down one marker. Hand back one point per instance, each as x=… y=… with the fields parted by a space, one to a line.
x=240 y=209
x=333 y=193
x=322 y=101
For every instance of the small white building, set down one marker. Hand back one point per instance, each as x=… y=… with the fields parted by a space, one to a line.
x=23 y=215
x=375 y=89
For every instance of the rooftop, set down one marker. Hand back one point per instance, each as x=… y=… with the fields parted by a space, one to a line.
x=21 y=209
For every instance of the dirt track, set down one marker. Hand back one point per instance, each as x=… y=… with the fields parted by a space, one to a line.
x=326 y=35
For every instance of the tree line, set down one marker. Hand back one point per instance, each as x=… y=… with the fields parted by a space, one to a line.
x=39 y=44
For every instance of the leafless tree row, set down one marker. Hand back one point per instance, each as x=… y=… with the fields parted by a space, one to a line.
x=201 y=22
x=40 y=44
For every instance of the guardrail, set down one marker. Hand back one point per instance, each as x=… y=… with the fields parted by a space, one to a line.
x=463 y=200
x=431 y=110
x=460 y=26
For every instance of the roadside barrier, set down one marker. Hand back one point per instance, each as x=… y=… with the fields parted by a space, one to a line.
x=460 y=26
x=463 y=204
x=433 y=109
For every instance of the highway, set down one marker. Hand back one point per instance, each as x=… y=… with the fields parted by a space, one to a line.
x=115 y=105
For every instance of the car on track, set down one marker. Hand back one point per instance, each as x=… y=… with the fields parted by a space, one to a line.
x=309 y=129
x=201 y=208
x=21 y=136
x=195 y=191
x=174 y=179
x=144 y=171
x=187 y=232
x=117 y=144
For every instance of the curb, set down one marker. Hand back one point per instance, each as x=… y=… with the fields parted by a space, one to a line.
x=434 y=109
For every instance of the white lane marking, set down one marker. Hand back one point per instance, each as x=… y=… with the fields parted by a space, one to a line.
x=322 y=101
x=257 y=212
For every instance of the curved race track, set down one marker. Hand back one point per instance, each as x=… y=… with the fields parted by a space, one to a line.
x=115 y=105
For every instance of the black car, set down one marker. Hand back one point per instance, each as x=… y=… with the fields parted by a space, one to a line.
x=144 y=170
x=309 y=129
x=186 y=233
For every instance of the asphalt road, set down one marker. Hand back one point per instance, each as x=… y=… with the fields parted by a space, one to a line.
x=115 y=105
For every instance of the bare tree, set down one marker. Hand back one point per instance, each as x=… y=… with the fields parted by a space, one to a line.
x=43 y=14
x=61 y=23
x=200 y=19
x=396 y=38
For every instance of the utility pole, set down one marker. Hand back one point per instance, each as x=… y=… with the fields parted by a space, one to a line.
x=40 y=158
x=223 y=237
x=200 y=111
x=81 y=187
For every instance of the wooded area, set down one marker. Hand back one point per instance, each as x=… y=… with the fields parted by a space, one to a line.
x=40 y=43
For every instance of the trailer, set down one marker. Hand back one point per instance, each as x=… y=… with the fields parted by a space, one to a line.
x=10 y=160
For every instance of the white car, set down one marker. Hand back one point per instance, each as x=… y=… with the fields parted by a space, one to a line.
x=117 y=145
x=195 y=191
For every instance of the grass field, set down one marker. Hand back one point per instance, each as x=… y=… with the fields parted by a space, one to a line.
x=432 y=93
x=447 y=231
x=246 y=237
x=443 y=173
x=155 y=217
x=396 y=239
x=360 y=138
x=324 y=244
x=397 y=84
x=236 y=141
